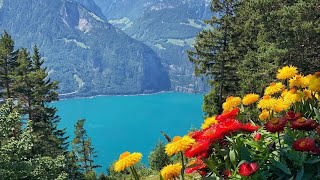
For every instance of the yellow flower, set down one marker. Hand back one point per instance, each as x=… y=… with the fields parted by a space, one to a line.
x=264 y=115
x=267 y=102
x=126 y=160
x=280 y=105
x=291 y=97
x=287 y=72
x=307 y=94
x=179 y=144
x=231 y=103
x=314 y=84
x=250 y=99
x=298 y=81
x=208 y=122
x=274 y=88
x=171 y=171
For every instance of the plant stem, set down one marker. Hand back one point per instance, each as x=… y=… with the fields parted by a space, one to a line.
x=134 y=173
x=279 y=146
x=183 y=167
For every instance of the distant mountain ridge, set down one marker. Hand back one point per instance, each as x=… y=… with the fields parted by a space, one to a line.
x=86 y=54
x=168 y=27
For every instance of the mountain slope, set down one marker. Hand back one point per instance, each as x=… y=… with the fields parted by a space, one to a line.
x=87 y=55
x=168 y=27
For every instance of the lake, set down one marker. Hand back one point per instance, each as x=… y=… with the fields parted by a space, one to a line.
x=131 y=123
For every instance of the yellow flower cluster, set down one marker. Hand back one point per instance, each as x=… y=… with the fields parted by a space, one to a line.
x=274 y=88
x=171 y=171
x=300 y=88
x=208 y=122
x=179 y=145
x=250 y=99
x=231 y=103
x=299 y=81
x=126 y=160
x=267 y=102
x=287 y=72
x=264 y=115
x=314 y=84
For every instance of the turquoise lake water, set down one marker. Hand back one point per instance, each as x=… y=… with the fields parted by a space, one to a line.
x=131 y=123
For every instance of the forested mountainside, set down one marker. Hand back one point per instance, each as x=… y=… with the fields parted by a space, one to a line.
x=86 y=54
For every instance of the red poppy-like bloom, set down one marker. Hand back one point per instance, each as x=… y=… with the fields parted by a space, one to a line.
x=227 y=173
x=304 y=124
x=290 y=116
x=197 y=165
x=249 y=127
x=247 y=169
x=257 y=137
x=228 y=115
x=275 y=125
x=198 y=149
x=306 y=145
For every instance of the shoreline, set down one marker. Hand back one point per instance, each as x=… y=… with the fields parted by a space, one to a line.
x=105 y=95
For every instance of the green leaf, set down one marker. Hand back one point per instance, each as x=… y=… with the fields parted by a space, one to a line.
x=211 y=166
x=232 y=155
x=300 y=173
x=282 y=166
x=317 y=112
x=312 y=160
x=245 y=154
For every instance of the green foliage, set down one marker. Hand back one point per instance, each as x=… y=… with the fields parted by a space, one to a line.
x=274 y=33
x=214 y=55
x=16 y=158
x=38 y=150
x=83 y=150
x=158 y=158
x=8 y=58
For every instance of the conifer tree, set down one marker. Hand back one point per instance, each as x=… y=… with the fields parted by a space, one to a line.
x=8 y=58
x=214 y=54
x=83 y=149
x=275 y=33
x=158 y=157
x=22 y=84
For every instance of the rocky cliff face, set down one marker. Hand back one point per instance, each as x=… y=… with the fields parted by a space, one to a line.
x=85 y=53
x=168 y=27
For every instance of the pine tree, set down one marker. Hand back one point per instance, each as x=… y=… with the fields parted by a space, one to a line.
x=158 y=158
x=22 y=84
x=214 y=54
x=8 y=58
x=83 y=149
x=16 y=158
x=275 y=33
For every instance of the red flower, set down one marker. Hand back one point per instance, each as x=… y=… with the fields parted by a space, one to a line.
x=249 y=127
x=195 y=134
x=303 y=124
x=227 y=173
x=217 y=132
x=276 y=125
x=306 y=144
x=290 y=116
x=247 y=169
x=229 y=126
x=257 y=137
x=198 y=149
x=228 y=115
x=198 y=165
